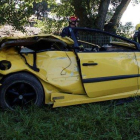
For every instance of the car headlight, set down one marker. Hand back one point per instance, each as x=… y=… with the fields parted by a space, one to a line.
x=5 y=65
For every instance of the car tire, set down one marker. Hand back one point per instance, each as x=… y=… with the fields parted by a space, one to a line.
x=21 y=89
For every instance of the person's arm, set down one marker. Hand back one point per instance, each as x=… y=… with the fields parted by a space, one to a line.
x=65 y=32
x=135 y=36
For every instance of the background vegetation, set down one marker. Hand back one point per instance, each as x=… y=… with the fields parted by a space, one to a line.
x=51 y=17
x=97 y=121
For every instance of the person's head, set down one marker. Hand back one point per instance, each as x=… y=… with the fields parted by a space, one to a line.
x=73 y=21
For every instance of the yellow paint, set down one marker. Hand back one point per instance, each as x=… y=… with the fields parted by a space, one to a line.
x=93 y=45
x=58 y=70
x=138 y=63
x=109 y=64
x=60 y=76
x=70 y=99
x=129 y=45
x=67 y=40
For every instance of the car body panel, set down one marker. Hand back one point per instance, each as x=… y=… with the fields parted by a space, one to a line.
x=63 y=99
x=123 y=44
x=67 y=40
x=58 y=70
x=108 y=76
x=138 y=63
x=64 y=78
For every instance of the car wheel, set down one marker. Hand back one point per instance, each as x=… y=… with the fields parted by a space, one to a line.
x=21 y=89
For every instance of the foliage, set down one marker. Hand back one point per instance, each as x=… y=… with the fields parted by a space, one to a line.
x=17 y=12
x=51 y=25
x=93 y=14
x=90 y=12
x=65 y=9
x=59 y=18
x=126 y=30
x=101 y=121
x=42 y=8
x=135 y=1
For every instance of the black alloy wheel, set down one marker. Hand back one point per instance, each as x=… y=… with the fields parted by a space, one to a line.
x=20 y=94
x=21 y=89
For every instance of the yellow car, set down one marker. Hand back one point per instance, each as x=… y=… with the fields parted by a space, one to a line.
x=91 y=66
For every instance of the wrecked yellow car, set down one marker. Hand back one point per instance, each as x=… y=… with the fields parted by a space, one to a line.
x=90 y=67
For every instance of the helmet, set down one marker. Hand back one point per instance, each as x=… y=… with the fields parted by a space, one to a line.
x=73 y=19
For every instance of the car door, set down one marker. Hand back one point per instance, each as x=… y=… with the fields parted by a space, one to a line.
x=109 y=72
x=138 y=61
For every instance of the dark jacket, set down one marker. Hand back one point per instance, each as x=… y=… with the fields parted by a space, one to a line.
x=136 y=36
x=66 y=32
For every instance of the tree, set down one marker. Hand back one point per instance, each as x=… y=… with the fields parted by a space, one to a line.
x=118 y=8
x=114 y=21
x=17 y=12
x=126 y=30
x=100 y=14
x=40 y=8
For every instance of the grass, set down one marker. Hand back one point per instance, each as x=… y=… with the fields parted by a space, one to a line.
x=97 y=121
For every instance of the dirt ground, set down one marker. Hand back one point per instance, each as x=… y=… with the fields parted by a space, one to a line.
x=10 y=31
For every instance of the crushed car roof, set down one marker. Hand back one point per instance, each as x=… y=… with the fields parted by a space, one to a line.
x=67 y=40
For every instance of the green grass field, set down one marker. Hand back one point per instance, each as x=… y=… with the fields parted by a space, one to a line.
x=97 y=121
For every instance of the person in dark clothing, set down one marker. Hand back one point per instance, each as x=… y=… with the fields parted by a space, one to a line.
x=73 y=22
x=136 y=36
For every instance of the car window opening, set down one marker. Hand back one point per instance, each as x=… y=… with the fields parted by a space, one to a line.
x=92 y=41
x=45 y=44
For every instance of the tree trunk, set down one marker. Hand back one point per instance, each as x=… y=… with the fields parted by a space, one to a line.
x=103 y=8
x=81 y=13
x=114 y=22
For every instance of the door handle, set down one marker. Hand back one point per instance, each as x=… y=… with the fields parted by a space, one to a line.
x=90 y=64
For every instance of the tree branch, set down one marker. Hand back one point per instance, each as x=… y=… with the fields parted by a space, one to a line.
x=114 y=22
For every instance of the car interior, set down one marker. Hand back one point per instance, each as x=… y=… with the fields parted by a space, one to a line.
x=87 y=42
x=98 y=42
x=45 y=44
